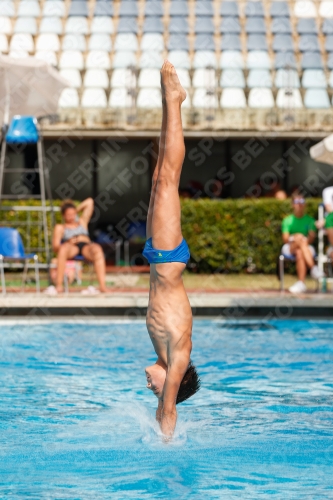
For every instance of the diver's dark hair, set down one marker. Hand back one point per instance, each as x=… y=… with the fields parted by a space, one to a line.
x=189 y=385
x=67 y=204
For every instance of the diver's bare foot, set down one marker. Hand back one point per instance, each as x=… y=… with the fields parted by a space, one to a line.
x=170 y=84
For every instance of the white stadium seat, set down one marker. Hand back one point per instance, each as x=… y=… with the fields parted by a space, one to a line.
x=126 y=41
x=232 y=78
x=120 y=98
x=231 y=59
x=149 y=98
x=149 y=78
x=205 y=78
x=69 y=98
x=288 y=98
x=151 y=59
x=22 y=41
x=18 y=54
x=204 y=58
x=100 y=41
x=98 y=59
x=184 y=78
x=51 y=25
x=233 y=98
x=26 y=25
x=202 y=98
x=71 y=59
x=77 y=25
x=48 y=41
x=102 y=24
x=152 y=41
x=3 y=43
x=5 y=25
x=261 y=98
x=28 y=8
x=258 y=59
x=326 y=9
x=93 y=98
x=54 y=8
x=305 y=8
x=287 y=78
x=49 y=56
x=74 y=41
x=8 y=8
x=73 y=77
x=123 y=77
x=180 y=59
x=124 y=59
x=330 y=81
x=314 y=78
x=96 y=78
x=259 y=78
x=316 y=99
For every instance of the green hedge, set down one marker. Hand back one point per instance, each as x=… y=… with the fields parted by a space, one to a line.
x=223 y=235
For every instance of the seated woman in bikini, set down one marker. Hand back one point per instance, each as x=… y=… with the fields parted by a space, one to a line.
x=72 y=238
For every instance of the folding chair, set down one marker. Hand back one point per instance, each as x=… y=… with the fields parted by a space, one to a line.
x=12 y=249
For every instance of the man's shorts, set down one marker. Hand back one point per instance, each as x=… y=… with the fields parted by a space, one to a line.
x=329 y=221
x=285 y=250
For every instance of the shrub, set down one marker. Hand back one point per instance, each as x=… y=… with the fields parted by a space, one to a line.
x=224 y=234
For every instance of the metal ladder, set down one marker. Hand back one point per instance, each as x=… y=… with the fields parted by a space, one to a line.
x=45 y=189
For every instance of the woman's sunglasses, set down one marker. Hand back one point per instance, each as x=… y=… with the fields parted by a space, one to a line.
x=299 y=201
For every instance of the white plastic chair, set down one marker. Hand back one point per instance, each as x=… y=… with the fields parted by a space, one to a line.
x=99 y=59
x=124 y=59
x=126 y=41
x=233 y=98
x=54 y=8
x=259 y=78
x=5 y=25
x=305 y=8
x=74 y=41
x=71 y=59
x=326 y=9
x=102 y=24
x=152 y=41
x=93 y=98
x=26 y=25
x=69 y=98
x=202 y=98
x=149 y=98
x=96 y=78
x=231 y=59
x=260 y=98
x=180 y=59
x=289 y=98
x=257 y=59
x=316 y=99
x=73 y=76
x=149 y=78
x=22 y=41
x=28 y=8
x=51 y=25
x=48 y=41
x=3 y=43
x=205 y=78
x=77 y=25
x=204 y=58
x=150 y=59
x=232 y=78
x=100 y=41
x=49 y=56
x=123 y=77
x=314 y=78
x=120 y=98
x=287 y=78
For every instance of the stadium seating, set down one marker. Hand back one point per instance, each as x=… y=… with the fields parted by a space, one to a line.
x=229 y=54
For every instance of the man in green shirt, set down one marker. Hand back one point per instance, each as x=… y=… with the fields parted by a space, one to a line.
x=298 y=232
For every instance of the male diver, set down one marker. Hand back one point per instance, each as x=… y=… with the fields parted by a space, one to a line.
x=172 y=378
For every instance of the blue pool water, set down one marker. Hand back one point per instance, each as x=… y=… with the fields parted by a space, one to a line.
x=76 y=420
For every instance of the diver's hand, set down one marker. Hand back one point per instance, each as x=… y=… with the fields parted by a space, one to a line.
x=168 y=423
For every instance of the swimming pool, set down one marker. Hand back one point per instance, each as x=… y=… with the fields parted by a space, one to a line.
x=77 y=421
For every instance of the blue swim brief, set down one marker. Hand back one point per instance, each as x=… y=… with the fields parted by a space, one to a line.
x=178 y=254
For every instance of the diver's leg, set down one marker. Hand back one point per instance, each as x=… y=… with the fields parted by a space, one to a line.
x=166 y=217
x=161 y=150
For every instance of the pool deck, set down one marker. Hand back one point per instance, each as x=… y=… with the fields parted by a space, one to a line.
x=132 y=304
